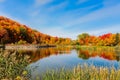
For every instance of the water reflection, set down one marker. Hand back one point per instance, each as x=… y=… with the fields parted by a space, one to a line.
x=82 y=53
x=86 y=54
x=41 y=53
x=109 y=54
x=38 y=54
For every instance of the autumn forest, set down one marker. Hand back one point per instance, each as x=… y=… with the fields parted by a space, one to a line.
x=16 y=33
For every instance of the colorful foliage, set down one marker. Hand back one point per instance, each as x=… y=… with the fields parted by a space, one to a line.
x=108 y=39
x=14 y=32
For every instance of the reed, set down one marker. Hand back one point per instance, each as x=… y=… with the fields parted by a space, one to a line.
x=12 y=66
x=84 y=73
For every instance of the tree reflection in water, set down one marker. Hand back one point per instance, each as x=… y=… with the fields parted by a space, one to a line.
x=84 y=53
x=38 y=54
x=106 y=54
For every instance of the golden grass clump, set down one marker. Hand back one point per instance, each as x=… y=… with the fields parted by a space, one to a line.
x=12 y=66
x=84 y=72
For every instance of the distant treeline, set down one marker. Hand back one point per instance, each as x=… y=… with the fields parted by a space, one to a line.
x=108 y=39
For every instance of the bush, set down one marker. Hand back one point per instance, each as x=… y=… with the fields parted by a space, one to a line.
x=22 y=42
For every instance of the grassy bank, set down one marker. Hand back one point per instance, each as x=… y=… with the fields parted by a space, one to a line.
x=12 y=65
x=84 y=73
x=97 y=48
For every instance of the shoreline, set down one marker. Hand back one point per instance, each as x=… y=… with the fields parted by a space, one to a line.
x=35 y=46
x=27 y=47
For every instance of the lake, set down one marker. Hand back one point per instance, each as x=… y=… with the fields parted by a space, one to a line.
x=45 y=59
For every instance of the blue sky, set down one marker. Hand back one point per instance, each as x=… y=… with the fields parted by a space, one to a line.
x=65 y=18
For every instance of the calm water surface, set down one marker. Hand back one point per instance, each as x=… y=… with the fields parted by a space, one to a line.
x=56 y=58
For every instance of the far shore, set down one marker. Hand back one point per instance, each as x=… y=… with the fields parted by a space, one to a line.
x=37 y=46
x=27 y=46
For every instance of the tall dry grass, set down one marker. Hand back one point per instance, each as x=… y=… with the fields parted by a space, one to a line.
x=12 y=65
x=84 y=73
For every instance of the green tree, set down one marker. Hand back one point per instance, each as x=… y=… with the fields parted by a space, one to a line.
x=23 y=32
x=117 y=39
x=83 y=38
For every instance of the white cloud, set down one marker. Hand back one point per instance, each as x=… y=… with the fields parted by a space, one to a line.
x=71 y=19
x=93 y=16
x=54 y=31
x=58 y=6
x=108 y=29
x=59 y=32
x=96 y=32
x=42 y=2
x=34 y=13
x=101 y=13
